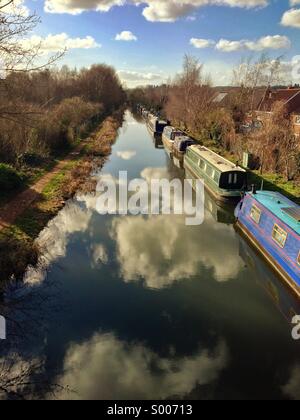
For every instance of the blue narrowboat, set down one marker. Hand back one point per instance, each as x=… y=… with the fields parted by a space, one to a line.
x=285 y=301
x=271 y=223
x=155 y=125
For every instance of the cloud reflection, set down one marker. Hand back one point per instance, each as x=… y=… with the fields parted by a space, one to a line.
x=108 y=368
x=126 y=154
x=162 y=249
x=292 y=388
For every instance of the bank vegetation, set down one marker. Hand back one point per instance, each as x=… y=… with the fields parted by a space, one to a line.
x=191 y=103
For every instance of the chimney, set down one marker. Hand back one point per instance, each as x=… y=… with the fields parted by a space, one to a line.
x=253 y=186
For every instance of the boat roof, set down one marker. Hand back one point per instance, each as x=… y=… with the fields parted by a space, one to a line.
x=159 y=120
x=216 y=160
x=283 y=208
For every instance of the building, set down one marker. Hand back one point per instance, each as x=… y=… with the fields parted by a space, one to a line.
x=290 y=98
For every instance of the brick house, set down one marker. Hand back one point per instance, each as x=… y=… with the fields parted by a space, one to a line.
x=289 y=97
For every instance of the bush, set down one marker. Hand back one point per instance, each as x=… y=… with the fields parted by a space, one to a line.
x=10 y=179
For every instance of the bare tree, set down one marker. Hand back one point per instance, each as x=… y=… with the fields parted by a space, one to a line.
x=251 y=76
x=15 y=24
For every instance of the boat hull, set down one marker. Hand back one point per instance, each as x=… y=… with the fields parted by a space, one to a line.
x=268 y=257
x=168 y=146
x=260 y=233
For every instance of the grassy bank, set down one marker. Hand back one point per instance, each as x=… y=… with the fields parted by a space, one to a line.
x=270 y=181
x=17 y=246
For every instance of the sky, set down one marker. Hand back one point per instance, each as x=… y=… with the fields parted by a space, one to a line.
x=146 y=40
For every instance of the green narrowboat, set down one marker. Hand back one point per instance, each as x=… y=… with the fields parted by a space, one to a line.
x=224 y=180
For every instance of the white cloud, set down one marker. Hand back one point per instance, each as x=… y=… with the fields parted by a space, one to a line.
x=291 y=18
x=134 y=78
x=202 y=43
x=275 y=42
x=126 y=36
x=54 y=43
x=107 y=368
x=76 y=7
x=171 y=10
x=154 y=10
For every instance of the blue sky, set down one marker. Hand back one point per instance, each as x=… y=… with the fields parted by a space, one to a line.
x=160 y=46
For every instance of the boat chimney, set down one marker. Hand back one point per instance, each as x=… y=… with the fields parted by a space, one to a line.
x=253 y=186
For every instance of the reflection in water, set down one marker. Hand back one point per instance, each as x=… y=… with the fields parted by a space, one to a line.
x=126 y=154
x=162 y=250
x=53 y=240
x=292 y=388
x=132 y=371
x=151 y=308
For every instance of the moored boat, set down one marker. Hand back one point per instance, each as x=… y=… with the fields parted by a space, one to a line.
x=156 y=125
x=271 y=223
x=169 y=135
x=286 y=302
x=179 y=149
x=224 y=180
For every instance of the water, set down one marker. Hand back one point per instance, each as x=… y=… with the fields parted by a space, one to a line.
x=148 y=308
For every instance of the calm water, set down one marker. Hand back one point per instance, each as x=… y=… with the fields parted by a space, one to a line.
x=148 y=308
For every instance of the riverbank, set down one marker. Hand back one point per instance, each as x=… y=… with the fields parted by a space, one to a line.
x=32 y=210
x=269 y=181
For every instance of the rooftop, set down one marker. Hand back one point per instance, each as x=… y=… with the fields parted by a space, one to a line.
x=279 y=95
x=216 y=160
x=277 y=204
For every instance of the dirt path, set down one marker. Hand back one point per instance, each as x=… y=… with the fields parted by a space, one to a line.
x=22 y=201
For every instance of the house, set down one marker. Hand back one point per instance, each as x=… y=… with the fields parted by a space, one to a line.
x=290 y=98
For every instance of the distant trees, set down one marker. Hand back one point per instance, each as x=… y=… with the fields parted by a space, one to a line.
x=59 y=105
x=43 y=108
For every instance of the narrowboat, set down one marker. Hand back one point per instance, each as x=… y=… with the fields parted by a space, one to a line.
x=285 y=301
x=271 y=223
x=224 y=180
x=145 y=114
x=168 y=137
x=155 y=125
x=180 y=147
x=158 y=142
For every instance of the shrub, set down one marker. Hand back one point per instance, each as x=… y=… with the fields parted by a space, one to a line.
x=10 y=178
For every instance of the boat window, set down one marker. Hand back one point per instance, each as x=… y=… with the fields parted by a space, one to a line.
x=279 y=235
x=255 y=214
x=232 y=180
x=209 y=171
x=202 y=164
x=217 y=177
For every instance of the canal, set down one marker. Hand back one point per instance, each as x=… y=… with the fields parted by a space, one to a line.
x=145 y=307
